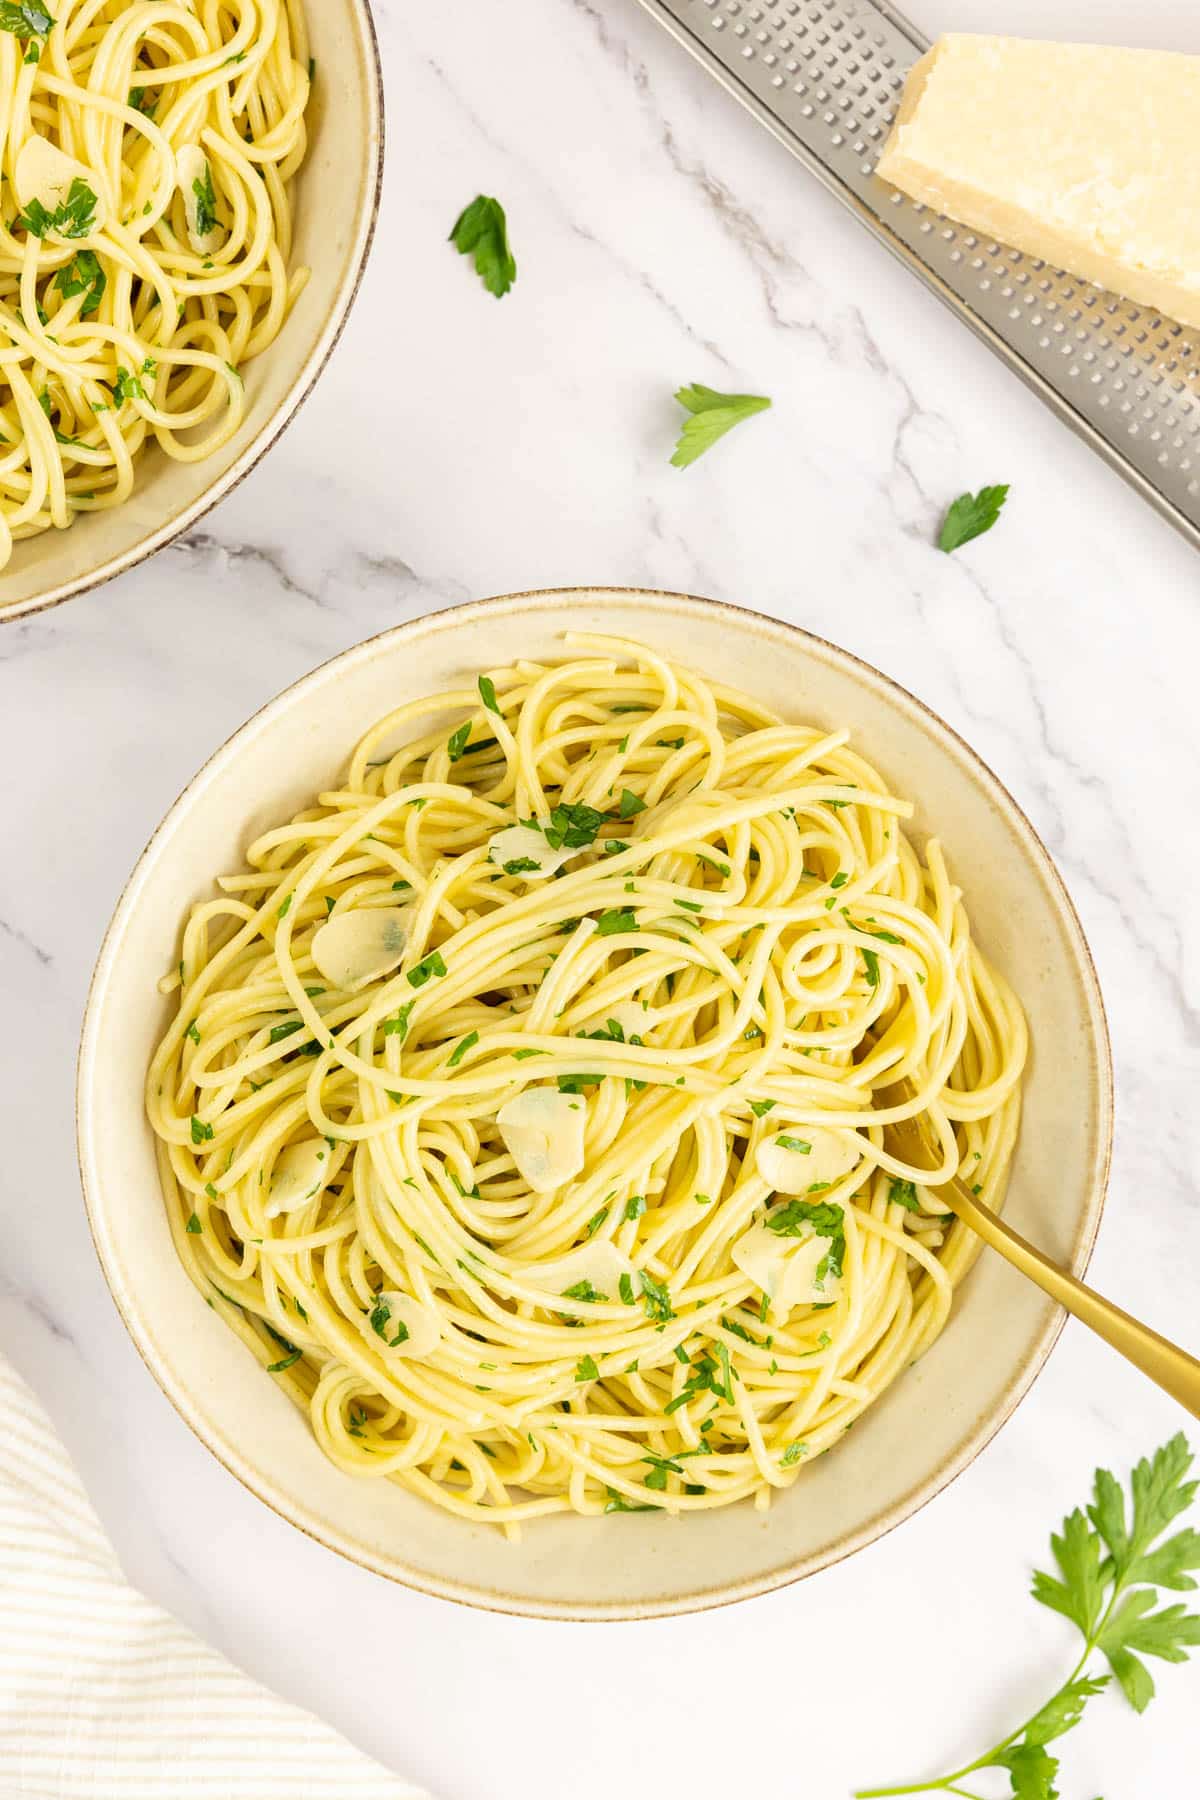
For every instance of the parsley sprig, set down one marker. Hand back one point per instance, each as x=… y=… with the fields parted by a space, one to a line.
x=1110 y=1563
x=481 y=231
x=713 y=414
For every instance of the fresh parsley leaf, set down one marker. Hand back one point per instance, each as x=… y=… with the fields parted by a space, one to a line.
x=970 y=516
x=193 y=1225
x=487 y=693
x=201 y=1133
x=481 y=231
x=458 y=741
x=585 y=1369
x=630 y=804
x=904 y=1193
x=759 y=1107
x=713 y=414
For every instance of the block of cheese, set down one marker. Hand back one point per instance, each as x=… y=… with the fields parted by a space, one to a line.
x=1084 y=156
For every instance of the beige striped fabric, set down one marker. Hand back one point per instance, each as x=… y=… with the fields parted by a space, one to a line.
x=105 y=1697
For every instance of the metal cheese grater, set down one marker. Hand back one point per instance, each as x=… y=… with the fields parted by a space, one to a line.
x=825 y=77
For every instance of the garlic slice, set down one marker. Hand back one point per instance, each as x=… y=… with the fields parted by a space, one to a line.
x=785 y=1268
x=299 y=1175
x=45 y=174
x=543 y=1133
x=403 y=1325
x=598 y=1263
x=634 y=1019
x=518 y=845
x=790 y=1169
x=354 y=947
x=193 y=174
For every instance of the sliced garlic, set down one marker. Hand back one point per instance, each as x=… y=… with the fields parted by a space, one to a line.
x=785 y=1268
x=519 y=845
x=354 y=947
x=193 y=173
x=403 y=1325
x=790 y=1169
x=45 y=174
x=299 y=1175
x=543 y=1133
x=599 y=1264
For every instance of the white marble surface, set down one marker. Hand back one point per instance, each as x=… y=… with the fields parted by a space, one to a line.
x=460 y=447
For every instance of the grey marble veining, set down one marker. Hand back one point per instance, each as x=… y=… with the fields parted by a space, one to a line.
x=458 y=447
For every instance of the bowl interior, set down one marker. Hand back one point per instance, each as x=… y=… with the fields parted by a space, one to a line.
x=334 y=198
x=935 y=1417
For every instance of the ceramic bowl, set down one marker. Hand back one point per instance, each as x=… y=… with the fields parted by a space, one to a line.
x=336 y=195
x=923 y=1431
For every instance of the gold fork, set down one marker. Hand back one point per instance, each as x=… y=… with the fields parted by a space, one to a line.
x=912 y=1141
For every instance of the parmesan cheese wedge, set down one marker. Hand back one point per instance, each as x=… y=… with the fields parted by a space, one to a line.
x=1083 y=155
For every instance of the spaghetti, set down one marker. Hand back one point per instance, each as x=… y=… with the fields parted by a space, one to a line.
x=517 y=1107
x=145 y=235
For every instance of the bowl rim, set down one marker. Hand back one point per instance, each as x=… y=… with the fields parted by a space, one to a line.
x=307 y=376
x=292 y=1508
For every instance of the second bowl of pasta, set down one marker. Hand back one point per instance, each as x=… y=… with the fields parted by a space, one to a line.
x=190 y=205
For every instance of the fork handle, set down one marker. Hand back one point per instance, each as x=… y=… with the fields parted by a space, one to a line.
x=1177 y=1373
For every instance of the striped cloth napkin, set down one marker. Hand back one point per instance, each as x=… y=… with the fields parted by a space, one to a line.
x=103 y=1696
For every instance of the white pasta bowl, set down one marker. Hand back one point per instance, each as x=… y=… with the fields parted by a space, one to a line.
x=923 y=1431
x=336 y=200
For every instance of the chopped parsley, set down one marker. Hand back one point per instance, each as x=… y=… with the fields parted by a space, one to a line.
x=583 y=1290
x=380 y=1318
x=804 y=1218
x=458 y=741
x=630 y=804
x=397 y=1025
x=904 y=1193
x=201 y=1133
x=193 y=1225
x=487 y=693
x=428 y=966
x=467 y=1043
x=75 y=217
x=83 y=275
x=573 y=826
x=585 y=1369
x=614 y=920
x=759 y=1107
x=794 y=1143
x=206 y=203
x=635 y=1206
